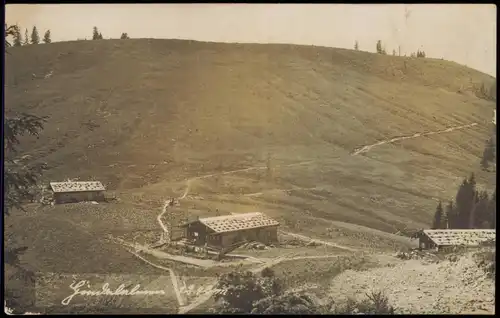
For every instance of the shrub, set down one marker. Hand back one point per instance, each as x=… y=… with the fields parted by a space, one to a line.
x=375 y=303
x=290 y=303
x=487 y=261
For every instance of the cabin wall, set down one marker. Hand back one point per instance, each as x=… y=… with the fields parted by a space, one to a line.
x=424 y=242
x=198 y=233
x=201 y=235
x=267 y=235
x=73 y=197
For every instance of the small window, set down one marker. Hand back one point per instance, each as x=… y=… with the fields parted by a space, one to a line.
x=195 y=234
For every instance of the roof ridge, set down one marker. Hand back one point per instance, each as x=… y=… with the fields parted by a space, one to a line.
x=235 y=222
x=231 y=216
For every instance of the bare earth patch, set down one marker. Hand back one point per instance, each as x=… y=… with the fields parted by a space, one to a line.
x=415 y=287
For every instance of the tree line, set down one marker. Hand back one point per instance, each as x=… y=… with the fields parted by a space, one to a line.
x=472 y=209
x=97 y=35
x=34 y=38
x=380 y=49
x=19 y=40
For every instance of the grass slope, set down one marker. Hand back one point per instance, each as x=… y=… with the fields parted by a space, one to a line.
x=144 y=115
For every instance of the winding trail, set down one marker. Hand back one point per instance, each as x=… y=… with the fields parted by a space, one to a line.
x=383 y=142
x=173 y=277
x=307 y=238
x=285 y=258
x=165 y=234
x=206 y=297
x=188 y=187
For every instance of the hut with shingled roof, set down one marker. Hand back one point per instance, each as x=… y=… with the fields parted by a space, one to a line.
x=221 y=232
x=443 y=238
x=72 y=192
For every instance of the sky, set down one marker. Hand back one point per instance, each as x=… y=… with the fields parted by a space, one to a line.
x=464 y=33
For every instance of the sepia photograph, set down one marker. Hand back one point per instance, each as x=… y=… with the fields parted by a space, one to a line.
x=234 y=158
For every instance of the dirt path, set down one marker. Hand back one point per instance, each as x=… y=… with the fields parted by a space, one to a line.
x=165 y=235
x=369 y=147
x=164 y=227
x=188 y=187
x=204 y=298
x=244 y=170
x=306 y=238
x=173 y=277
x=270 y=263
x=256 y=194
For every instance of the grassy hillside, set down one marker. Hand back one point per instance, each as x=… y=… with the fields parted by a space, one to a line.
x=145 y=115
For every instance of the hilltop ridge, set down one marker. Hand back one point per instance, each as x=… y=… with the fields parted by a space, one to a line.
x=144 y=115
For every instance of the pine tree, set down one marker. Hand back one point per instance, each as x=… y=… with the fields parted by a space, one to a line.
x=356 y=46
x=100 y=36
x=491 y=211
x=471 y=223
x=379 y=47
x=465 y=201
x=472 y=182
x=488 y=154
x=438 y=215
x=461 y=200
x=479 y=217
x=450 y=216
x=26 y=37
x=9 y=31
x=124 y=36
x=20 y=179
x=444 y=220
x=18 y=39
x=35 y=38
x=46 y=37
x=484 y=161
x=95 y=34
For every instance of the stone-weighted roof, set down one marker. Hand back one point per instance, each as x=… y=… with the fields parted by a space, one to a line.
x=76 y=186
x=238 y=222
x=460 y=237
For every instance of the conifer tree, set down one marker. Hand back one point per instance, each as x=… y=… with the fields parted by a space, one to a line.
x=35 y=38
x=46 y=37
x=438 y=215
x=379 y=47
x=479 y=218
x=451 y=216
x=18 y=39
x=9 y=31
x=95 y=34
x=26 y=37
x=465 y=201
x=491 y=211
x=488 y=154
